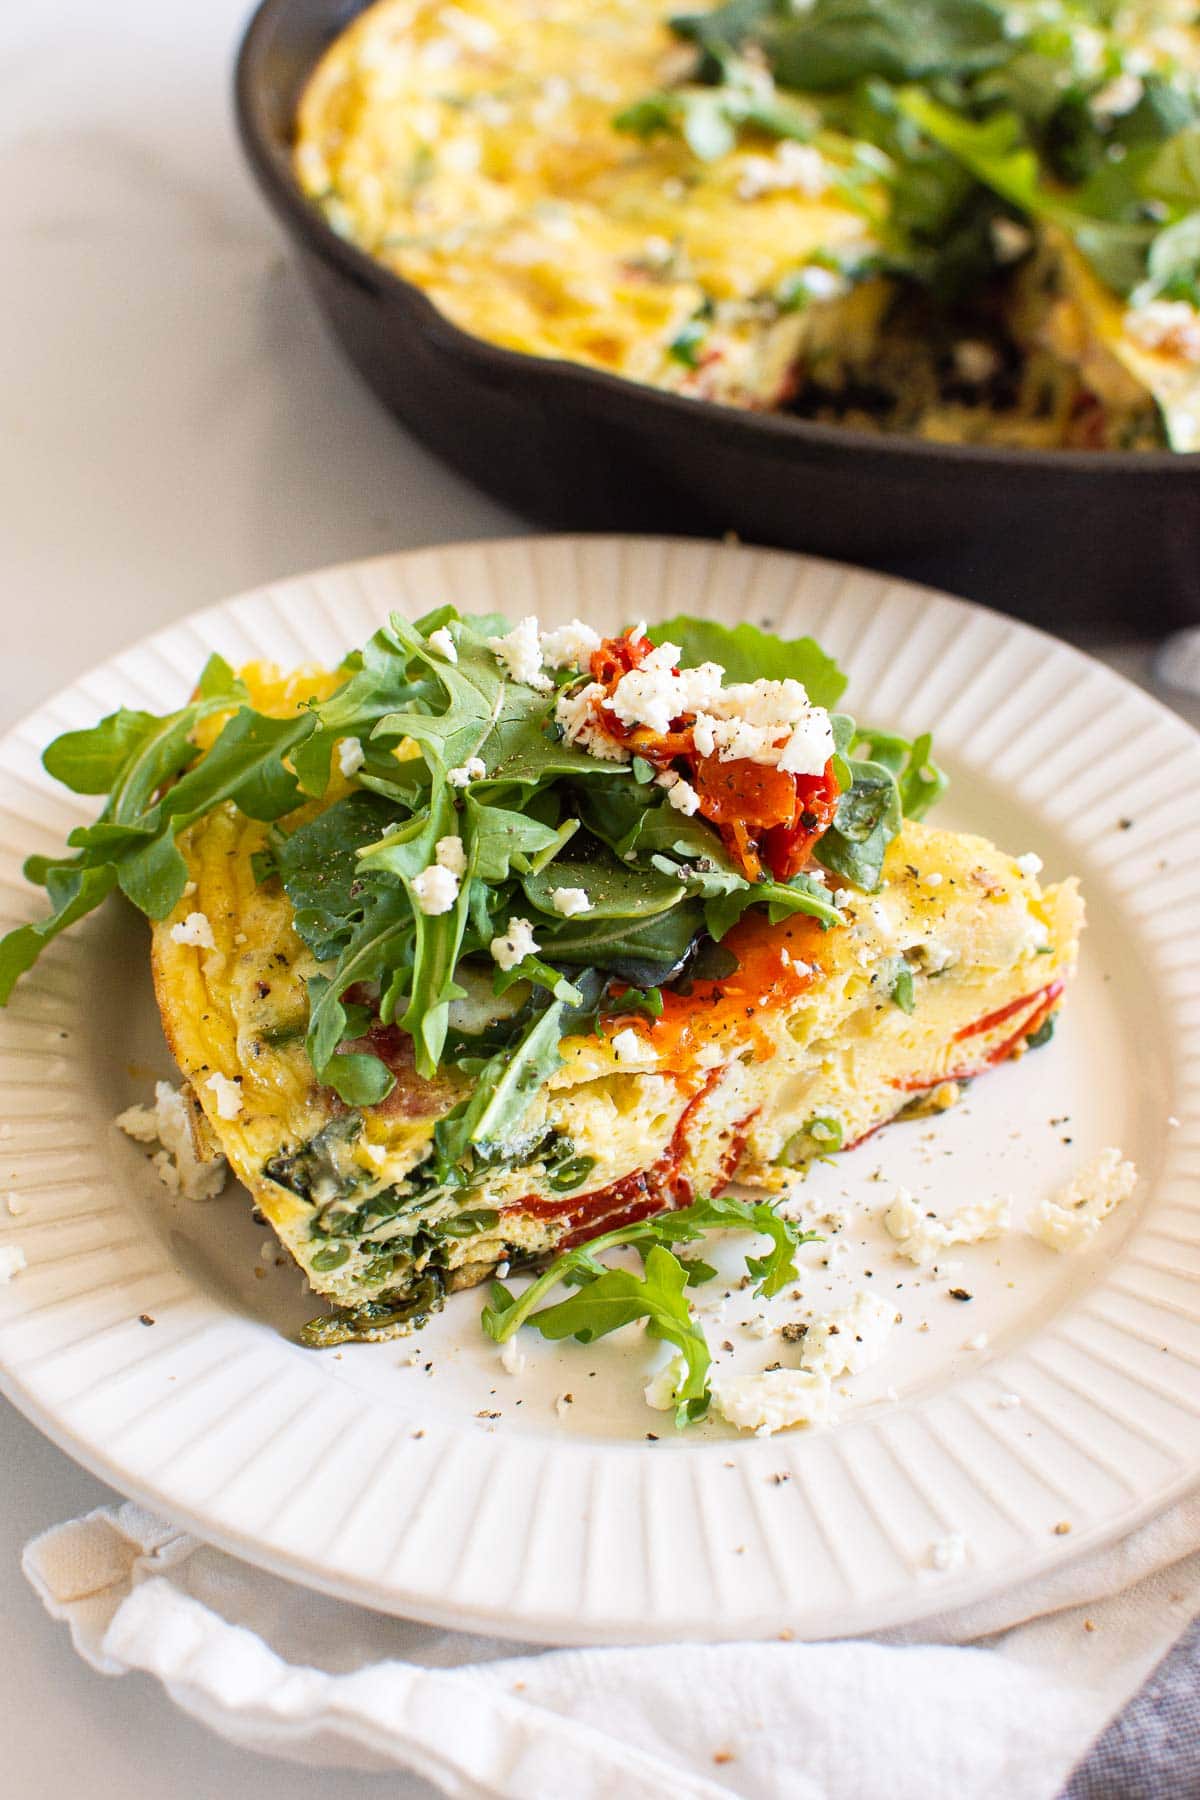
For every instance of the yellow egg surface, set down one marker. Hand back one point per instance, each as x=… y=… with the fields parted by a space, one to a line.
x=472 y=149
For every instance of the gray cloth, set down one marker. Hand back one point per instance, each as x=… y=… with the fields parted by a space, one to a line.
x=1151 y=1751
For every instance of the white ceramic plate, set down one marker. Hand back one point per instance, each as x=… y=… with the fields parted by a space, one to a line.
x=439 y=1486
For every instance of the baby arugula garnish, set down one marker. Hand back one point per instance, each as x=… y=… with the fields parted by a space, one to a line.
x=606 y=1298
x=456 y=756
x=940 y=117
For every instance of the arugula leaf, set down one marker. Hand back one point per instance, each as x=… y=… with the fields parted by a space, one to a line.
x=380 y=682
x=644 y=952
x=708 y=119
x=73 y=894
x=799 y=895
x=501 y=838
x=606 y=1299
x=748 y=654
x=919 y=781
x=504 y=1089
x=437 y=937
x=901 y=988
x=834 y=43
x=375 y=947
x=487 y=715
x=997 y=153
x=617 y=890
x=618 y=1297
x=320 y=870
x=891 y=779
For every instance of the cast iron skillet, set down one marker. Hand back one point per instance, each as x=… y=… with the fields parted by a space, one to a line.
x=1064 y=537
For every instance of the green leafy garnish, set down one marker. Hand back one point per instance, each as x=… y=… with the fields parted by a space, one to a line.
x=901 y=988
x=527 y=814
x=937 y=118
x=748 y=654
x=605 y=1299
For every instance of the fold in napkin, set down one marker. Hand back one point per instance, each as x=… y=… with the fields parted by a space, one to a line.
x=999 y=1700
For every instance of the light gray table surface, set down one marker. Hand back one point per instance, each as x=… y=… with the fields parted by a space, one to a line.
x=175 y=427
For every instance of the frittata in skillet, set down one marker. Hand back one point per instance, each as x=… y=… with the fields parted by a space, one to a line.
x=501 y=939
x=967 y=220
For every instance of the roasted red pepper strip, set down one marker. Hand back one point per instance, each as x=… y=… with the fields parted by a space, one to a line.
x=765 y=817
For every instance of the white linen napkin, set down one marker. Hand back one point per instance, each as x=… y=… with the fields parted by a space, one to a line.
x=998 y=1700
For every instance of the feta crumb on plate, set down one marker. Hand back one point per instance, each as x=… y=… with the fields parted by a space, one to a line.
x=178 y=1164
x=773 y=1400
x=921 y=1236
x=1070 y=1219
x=660 y=1389
x=227 y=1095
x=12 y=1261
x=851 y=1339
x=948 y=1553
x=196 y=930
x=512 y=1359
x=517 y=943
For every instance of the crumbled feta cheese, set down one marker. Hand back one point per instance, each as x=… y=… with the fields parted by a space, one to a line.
x=571 y=646
x=680 y=793
x=974 y=361
x=512 y=1359
x=450 y=853
x=568 y=901
x=577 y=714
x=628 y=1046
x=521 y=654
x=177 y=1164
x=850 y=1339
x=660 y=1389
x=1072 y=1217
x=1030 y=864
x=820 y=283
x=948 y=1553
x=1010 y=240
x=227 y=1095
x=796 y=168
x=435 y=890
x=1170 y=327
x=195 y=930
x=774 y=1400
x=1117 y=97
x=769 y=722
x=517 y=943
x=922 y=1237
x=978 y=1342
x=350 y=757
x=472 y=770
x=441 y=641
x=12 y=1261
